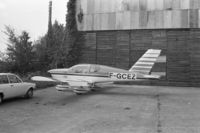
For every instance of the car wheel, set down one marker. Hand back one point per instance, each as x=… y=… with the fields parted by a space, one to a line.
x=29 y=93
x=1 y=98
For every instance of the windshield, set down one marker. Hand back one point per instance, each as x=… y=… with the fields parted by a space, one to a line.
x=79 y=69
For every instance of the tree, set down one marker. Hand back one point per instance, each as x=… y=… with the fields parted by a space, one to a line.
x=74 y=37
x=51 y=56
x=19 y=51
x=58 y=51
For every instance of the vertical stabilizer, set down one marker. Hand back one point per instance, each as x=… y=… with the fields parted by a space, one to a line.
x=146 y=62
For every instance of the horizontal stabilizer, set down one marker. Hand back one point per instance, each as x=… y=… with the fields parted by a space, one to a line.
x=40 y=78
x=152 y=76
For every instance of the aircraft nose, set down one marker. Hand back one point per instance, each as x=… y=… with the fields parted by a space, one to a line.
x=58 y=70
x=51 y=71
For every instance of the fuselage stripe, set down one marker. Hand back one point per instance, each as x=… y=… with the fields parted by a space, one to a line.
x=85 y=74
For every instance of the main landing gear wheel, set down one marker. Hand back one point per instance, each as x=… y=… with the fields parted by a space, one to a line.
x=78 y=93
x=29 y=94
x=1 y=98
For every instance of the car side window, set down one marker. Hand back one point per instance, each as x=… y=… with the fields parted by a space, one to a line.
x=14 y=79
x=3 y=79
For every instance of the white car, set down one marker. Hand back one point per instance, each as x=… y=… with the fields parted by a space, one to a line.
x=12 y=86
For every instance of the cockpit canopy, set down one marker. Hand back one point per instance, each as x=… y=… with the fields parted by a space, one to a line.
x=93 y=69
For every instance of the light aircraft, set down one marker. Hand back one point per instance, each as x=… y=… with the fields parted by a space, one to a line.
x=82 y=78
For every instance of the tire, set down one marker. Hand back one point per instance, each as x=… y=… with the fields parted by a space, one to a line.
x=1 y=98
x=78 y=93
x=29 y=93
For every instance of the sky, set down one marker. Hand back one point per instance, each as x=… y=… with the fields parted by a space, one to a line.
x=29 y=15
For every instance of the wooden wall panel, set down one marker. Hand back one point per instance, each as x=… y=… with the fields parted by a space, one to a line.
x=178 y=58
x=89 y=50
x=141 y=40
x=159 y=40
x=122 y=49
x=90 y=41
x=105 y=45
x=194 y=4
x=195 y=55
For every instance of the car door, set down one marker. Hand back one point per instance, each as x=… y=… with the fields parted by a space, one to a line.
x=5 y=86
x=16 y=85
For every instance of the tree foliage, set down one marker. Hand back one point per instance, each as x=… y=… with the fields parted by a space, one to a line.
x=52 y=56
x=19 y=51
x=59 y=47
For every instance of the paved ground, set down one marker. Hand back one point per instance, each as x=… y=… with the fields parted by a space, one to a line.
x=114 y=109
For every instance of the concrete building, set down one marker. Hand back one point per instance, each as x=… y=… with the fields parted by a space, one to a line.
x=118 y=32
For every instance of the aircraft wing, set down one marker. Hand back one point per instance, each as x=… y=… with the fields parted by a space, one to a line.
x=74 y=82
x=45 y=79
x=49 y=79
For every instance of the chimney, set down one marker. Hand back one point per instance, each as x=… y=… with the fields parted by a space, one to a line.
x=50 y=15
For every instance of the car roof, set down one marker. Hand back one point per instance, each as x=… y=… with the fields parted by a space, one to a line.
x=6 y=74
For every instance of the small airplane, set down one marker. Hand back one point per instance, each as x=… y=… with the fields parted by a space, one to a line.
x=83 y=78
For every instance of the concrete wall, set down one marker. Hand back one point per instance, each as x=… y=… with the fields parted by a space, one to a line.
x=93 y=15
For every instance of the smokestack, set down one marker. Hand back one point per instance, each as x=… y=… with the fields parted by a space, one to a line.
x=50 y=15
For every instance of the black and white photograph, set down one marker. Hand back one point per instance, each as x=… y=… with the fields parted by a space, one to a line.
x=99 y=66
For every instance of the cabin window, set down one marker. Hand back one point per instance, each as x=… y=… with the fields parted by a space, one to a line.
x=80 y=69
x=94 y=68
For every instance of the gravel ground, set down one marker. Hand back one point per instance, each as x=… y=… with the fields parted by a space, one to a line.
x=110 y=109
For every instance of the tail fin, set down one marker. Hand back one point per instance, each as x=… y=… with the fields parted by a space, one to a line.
x=146 y=62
